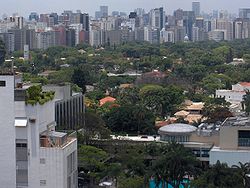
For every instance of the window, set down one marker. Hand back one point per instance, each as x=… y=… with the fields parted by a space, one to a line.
x=2 y=83
x=21 y=145
x=42 y=161
x=244 y=138
x=42 y=182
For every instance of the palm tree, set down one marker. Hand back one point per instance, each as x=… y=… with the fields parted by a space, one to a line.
x=243 y=169
x=175 y=163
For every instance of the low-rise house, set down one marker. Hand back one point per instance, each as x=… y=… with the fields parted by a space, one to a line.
x=234 y=96
x=192 y=112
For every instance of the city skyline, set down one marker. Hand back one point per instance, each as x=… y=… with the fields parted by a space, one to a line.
x=45 y=6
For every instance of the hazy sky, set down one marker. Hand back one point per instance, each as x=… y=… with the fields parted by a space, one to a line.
x=24 y=7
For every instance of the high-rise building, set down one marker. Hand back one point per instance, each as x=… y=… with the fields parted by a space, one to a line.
x=33 y=16
x=7 y=133
x=9 y=41
x=157 y=18
x=26 y=52
x=188 y=21
x=215 y=14
x=19 y=38
x=31 y=38
x=238 y=25
x=244 y=13
x=104 y=11
x=84 y=20
x=196 y=8
x=70 y=37
x=35 y=154
x=115 y=13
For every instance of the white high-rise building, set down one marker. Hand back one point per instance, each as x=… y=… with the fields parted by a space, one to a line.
x=157 y=18
x=77 y=28
x=35 y=155
x=7 y=133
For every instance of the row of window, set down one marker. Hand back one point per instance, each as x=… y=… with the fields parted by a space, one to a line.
x=179 y=138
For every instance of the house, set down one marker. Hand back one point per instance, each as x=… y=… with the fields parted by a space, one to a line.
x=234 y=96
x=192 y=112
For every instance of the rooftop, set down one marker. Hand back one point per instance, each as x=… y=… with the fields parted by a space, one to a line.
x=237 y=121
x=195 y=106
x=177 y=128
x=181 y=113
x=246 y=84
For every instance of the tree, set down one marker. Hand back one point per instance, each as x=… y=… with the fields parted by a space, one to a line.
x=91 y=162
x=219 y=175
x=212 y=82
x=244 y=170
x=246 y=102
x=129 y=119
x=175 y=163
x=95 y=127
x=160 y=100
x=216 y=109
x=131 y=182
x=129 y=96
x=2 y=52
x=78 y=78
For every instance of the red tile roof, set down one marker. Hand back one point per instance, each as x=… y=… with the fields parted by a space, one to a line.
x=245 y=84
x=107 y=99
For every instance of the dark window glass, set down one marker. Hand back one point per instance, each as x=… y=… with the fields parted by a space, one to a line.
x=2 y=83
x=244 y=138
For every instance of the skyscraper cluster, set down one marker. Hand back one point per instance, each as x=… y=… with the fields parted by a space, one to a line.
x=44 y=30
x=155 y=26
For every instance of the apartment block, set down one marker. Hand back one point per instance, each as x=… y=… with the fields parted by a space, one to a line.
x=35 y=154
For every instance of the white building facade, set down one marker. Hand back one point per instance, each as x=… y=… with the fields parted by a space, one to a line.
x=37 y=155
x=234 y=96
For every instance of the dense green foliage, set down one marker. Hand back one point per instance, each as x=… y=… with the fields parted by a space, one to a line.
x=35 y=95
x=130 y=119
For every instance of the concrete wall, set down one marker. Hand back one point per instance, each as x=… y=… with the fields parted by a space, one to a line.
x=229 y=137
x=54 y=171
x=229 y=156
x=61 y=92
x=214 y=139
x=7 y=134
x=231 y=96
x=43 y=115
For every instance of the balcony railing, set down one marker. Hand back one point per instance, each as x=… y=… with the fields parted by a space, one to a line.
x=56 y=139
